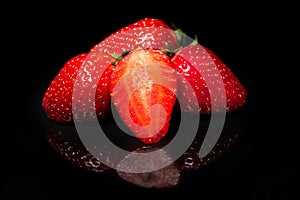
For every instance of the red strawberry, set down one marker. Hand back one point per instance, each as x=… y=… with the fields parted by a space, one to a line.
x=195 y=62
x=147 y=33
x=142 y=79
x=57 y=100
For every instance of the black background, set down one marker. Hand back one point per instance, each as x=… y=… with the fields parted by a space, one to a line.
x=261 y=166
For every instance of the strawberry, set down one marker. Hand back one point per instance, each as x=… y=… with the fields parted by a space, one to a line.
x=146 y=33
x=194 y=61
x=141 y=80
x=57 y=101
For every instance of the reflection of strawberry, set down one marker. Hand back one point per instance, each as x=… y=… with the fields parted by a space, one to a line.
x=138 y=161
x=142 y=79
x=65 y=140
x=194 y=61
x=147 y=33
x=57 y=100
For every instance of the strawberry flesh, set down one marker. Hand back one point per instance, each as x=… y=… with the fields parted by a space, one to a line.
x=143 y=89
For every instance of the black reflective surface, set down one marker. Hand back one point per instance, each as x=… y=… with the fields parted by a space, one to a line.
x=65 y=141
x=39 y=163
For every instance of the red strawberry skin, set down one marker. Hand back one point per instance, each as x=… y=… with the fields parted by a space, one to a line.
x=57 y=100
x=191 y=63
x=148 y=33
x=141 y=80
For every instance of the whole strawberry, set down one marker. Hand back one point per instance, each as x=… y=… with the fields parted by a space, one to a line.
x=148 y=33
x=143 y=88
x=58 y=98
x=192 y=63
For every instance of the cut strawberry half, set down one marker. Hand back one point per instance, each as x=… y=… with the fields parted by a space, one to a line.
x=143 y=88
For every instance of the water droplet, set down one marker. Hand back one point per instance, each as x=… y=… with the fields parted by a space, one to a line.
x=188 y=162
